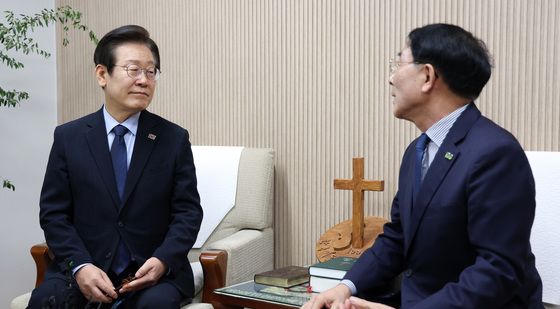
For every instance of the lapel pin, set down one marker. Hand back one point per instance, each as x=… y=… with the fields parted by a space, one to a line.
x=449 y=156
x=152 y=136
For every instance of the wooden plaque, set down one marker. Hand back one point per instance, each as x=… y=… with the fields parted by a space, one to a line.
x=337 y=241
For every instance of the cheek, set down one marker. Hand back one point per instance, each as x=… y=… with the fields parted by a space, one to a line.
x=125 y=88
x=404 y=84
x=397 y=80
x=151 y=88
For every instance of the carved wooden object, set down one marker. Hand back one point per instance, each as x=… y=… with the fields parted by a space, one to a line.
x=351 y=237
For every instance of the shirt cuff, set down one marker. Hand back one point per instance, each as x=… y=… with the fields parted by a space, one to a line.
x=75 y=270
x=350 y=285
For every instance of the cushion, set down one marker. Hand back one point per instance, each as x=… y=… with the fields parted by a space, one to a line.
x=198 y=276
x=21 y=301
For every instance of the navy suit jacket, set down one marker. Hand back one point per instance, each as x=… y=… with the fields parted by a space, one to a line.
x=464 y=241
x=160 y=215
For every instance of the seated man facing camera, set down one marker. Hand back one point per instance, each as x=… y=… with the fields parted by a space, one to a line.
x=119 y=199
x=462 y=216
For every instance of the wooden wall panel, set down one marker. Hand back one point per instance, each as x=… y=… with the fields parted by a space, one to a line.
x=309 y=79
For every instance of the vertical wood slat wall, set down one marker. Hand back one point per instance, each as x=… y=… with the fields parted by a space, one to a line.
x=309 y=79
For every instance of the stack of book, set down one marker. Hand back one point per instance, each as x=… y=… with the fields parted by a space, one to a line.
x=326 y=275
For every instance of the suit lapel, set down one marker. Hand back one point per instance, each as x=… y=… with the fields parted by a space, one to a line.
x=146 y=138
x=99 y=149
x=444 y=159
x=407 y=193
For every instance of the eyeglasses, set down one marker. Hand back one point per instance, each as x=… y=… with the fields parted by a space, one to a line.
x=134 y=71
x=394 y=64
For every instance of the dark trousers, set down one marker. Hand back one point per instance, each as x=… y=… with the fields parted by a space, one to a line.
x=57 y=292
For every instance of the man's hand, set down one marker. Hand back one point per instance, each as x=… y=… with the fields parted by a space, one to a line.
x=148 y=275
x=358 y=303
x=95 y=285
x=333 y=298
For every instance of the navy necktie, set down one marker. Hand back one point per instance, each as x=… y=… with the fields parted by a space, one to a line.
x=421 y=144
x=120 y=167
x=118 y=155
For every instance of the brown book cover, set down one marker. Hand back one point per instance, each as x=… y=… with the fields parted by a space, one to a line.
x=284 y=277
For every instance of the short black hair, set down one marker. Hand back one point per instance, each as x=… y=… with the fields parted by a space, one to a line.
x=105 y=51
x=461 y=59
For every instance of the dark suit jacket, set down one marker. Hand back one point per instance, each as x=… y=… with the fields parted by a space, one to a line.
x=160 y=215
x=464 y=241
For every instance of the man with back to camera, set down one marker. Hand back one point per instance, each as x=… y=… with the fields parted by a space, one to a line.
x=462 y=216
x=119 y=197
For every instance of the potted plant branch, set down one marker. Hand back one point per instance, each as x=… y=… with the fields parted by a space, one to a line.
x=14 y=38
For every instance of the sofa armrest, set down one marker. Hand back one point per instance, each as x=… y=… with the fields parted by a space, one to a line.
x=43 y=258
x=214 y=267
x=248 y=252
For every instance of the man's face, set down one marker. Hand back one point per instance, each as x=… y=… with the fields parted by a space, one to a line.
x=406 y=81
x=125 y=95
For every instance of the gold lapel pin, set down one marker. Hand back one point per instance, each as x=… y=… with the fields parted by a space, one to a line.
x=152 y=136
x=449 y=156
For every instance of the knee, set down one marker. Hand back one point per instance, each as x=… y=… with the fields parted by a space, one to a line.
x=45 y=296
x=40 y=300
x=155 y=297
x=54 y=294
x=157 y=301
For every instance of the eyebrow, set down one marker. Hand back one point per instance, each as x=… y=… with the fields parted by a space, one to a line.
x=150 y=62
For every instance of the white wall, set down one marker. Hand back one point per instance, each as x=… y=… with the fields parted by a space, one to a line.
x=25 y=140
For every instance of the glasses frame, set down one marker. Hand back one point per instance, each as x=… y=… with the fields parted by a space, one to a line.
x=395 y=64
x=140 y=72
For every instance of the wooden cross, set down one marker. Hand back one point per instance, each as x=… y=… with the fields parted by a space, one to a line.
x=358 y=185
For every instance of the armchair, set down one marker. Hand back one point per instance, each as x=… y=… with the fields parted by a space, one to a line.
x=241 y=245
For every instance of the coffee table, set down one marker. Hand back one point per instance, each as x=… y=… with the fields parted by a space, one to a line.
x=252 y=295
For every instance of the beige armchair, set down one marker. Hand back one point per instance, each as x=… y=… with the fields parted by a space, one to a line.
x=241 y=245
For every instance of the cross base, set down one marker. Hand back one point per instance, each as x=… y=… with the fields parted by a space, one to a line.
x=337 y=241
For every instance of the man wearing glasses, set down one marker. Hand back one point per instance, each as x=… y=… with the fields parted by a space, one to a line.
x=119 y=199
x=462 y=216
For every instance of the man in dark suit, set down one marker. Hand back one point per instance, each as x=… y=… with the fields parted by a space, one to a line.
x=462 y=216
x=119 y=197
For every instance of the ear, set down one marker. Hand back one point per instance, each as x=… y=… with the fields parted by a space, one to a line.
x=101 y=74
x=430 y=76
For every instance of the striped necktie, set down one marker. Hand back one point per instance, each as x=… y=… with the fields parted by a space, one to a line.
x=421 y=144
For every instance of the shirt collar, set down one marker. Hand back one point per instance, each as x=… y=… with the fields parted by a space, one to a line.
x=439 y=130
x=131 y=123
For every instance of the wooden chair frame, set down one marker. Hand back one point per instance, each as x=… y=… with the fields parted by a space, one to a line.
x=214 y=267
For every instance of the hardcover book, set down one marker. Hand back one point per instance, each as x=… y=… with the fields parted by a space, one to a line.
x=284 y=277
x=320 y=284
x=334 y=269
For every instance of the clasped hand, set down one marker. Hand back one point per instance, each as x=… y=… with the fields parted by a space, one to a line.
x=96 y=286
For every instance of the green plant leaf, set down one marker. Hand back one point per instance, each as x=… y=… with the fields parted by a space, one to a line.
x=8 y=185
x=9 y=61
x=14 y=36
x=11 y=98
